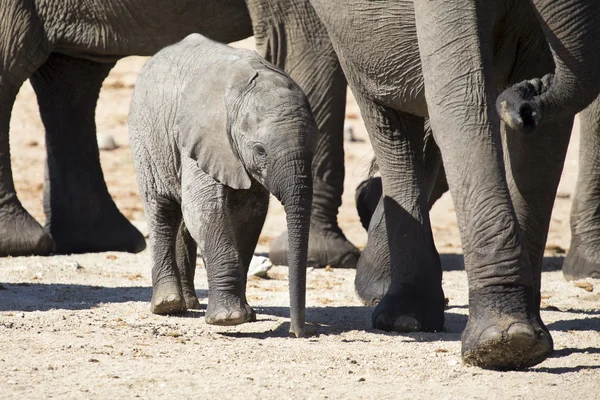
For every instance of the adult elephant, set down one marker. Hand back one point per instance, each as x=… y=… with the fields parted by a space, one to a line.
x=448 y=67
x=68 y=51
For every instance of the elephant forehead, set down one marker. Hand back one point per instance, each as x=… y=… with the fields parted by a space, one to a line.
x=276 y=107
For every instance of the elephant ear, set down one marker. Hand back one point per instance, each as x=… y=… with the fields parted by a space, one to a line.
x=204 y=121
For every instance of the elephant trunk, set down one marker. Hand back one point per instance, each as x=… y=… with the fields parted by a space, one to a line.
x=573 y=32
x=294 y=190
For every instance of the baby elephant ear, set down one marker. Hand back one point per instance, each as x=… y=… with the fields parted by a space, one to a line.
x=203 y=122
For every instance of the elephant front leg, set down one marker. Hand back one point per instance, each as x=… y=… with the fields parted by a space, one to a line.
x=186 y=254
x=226 y=278
x=503 y=330
x=80 y=213
x=400 y=261
x=224 y=237
x=291 y=36
x=23 y=48
x=583 y=258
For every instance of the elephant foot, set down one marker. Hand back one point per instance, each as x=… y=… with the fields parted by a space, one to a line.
x=21 y=235
x=325 y=247
x=110 y=231
x=500 y=340
x=227 y=313
x=583 y=260
x=373 y=274
x=410 y=311
x=367 y=196
x=167 y=298
x=191 y=301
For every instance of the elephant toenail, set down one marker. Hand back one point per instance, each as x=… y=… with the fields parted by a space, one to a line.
x=521 y=329
x=236 y=315
x=491 y=334
x=407 y=323
x=171 y=298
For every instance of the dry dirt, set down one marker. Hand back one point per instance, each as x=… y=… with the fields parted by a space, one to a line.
x=80 y=326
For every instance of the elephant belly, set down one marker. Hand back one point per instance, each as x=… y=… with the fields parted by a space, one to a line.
x=107 y=30
x=378 y=50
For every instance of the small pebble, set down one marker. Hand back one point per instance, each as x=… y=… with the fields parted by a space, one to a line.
x=588 y=287
x=74 y=265
x=106 y=142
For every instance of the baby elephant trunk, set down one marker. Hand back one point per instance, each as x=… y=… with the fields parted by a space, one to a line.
x=295 y=193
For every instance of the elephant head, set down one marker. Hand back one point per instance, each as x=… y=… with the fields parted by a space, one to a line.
x=266 y=133
x=572 y=28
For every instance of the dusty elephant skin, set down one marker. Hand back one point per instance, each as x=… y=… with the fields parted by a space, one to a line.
x=213 y=130
x=583 y=259
x=572 y=29
x=68 y=51
x=503 y=238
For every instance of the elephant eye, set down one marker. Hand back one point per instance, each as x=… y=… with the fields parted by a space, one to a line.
x=259 y=150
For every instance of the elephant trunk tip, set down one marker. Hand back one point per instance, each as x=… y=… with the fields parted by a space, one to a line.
x=297 y=327
x=520 y=105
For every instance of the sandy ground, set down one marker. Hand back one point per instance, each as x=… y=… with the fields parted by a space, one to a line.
x=80 y=327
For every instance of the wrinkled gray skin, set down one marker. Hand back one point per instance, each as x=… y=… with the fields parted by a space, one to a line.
x=583 y=258
x=67 y=52
x=464 y=54
x=213 y=130
x=572 y=28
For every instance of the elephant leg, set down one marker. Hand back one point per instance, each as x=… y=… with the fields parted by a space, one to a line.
x=226 y=276
x=367 y=196
x=218 y=227
x=247 y=226
x=80 y=213
x=164 y=220
x=503 y=330
x=185 y=256
x=583 y=258
x=23 y=48
x=400 y=244
x=534 y=166
x=372 y=283
x=435 y=175
x=290 y=35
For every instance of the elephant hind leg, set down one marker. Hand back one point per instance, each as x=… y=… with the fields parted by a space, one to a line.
x=400 y=259
x=186 y=255
x=23 y=48
x=583 y=258
x=80 y=213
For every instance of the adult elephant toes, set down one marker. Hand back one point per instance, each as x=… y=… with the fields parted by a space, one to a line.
x=21 y=235
x=506 y=344
x=583 y=260
x=325 y=247
x=503 y=332
x=106 y=231
x=227 y=314
x=409 y=311
x=191 y=302
x=167 y=298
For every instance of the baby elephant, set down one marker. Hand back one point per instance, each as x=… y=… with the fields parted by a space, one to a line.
x=213 y=130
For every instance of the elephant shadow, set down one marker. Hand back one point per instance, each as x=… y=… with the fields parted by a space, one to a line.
x=44 y=297
x=333 y=321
